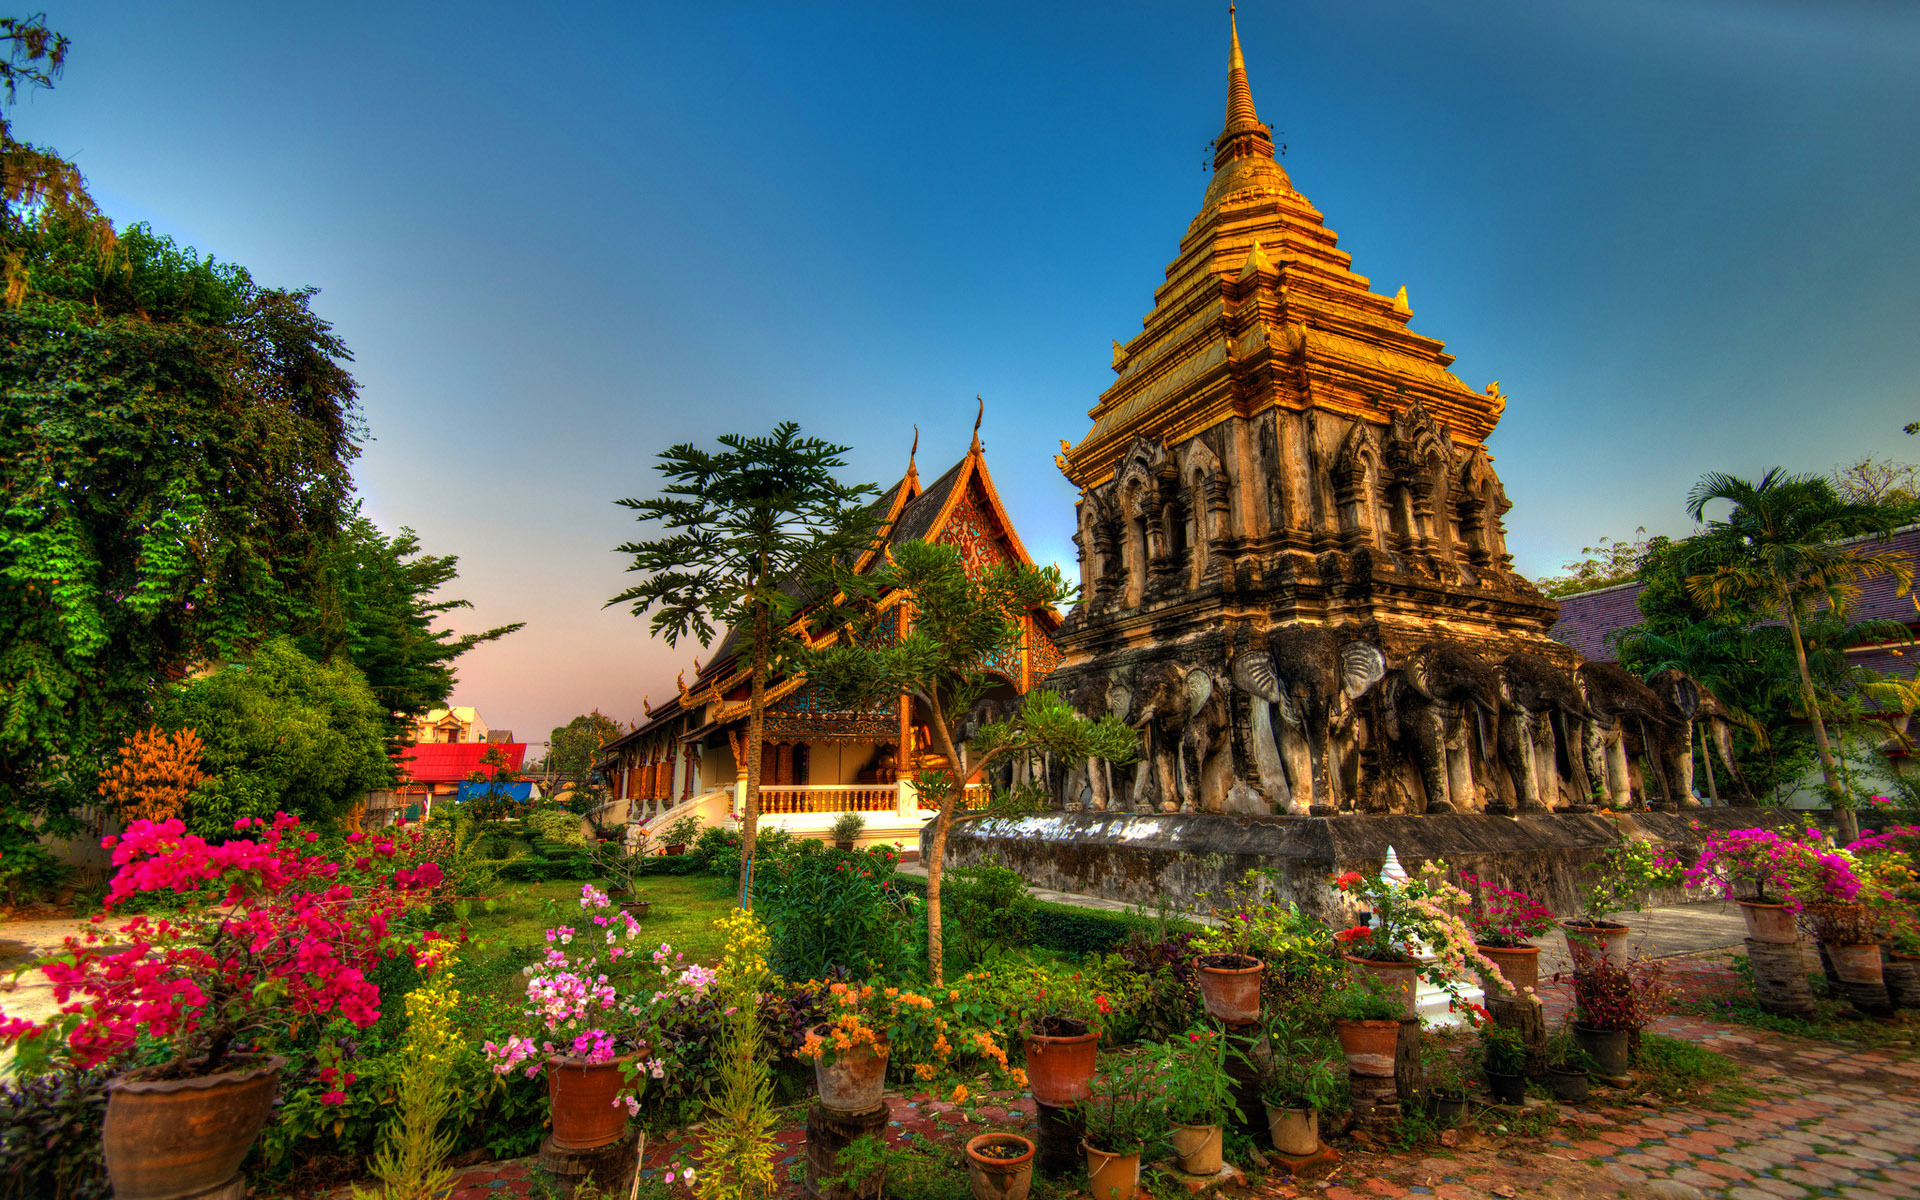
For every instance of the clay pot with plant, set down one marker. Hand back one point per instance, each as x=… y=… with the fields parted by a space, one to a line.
x=1446 y=1083
x=1000 y=1166
x=1612 y=1004
x=1061 y=1026
x=274 y=937
x=678 y=835
x=1569 y=1068
x=1625 y=875
x=1504 y=921
x=1366 y=1019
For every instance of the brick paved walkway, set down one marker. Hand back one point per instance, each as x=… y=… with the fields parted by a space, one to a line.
x=1826 y=1120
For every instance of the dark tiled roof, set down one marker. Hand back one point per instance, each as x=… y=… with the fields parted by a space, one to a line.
x=1588 y=617
x=917 y=518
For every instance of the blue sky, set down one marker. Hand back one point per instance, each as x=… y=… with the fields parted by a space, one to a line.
x=1683 y=235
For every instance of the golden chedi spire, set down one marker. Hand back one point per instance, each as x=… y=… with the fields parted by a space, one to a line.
x=1243 y=134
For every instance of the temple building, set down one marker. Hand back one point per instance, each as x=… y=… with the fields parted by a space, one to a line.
x=819 y=761
x=1294 y=573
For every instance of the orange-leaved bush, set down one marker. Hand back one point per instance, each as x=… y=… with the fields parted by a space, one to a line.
x=156 y=773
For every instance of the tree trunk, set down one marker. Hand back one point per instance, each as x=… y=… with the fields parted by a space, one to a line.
x=756 y=733
x=1842 y=804
x=959 y=777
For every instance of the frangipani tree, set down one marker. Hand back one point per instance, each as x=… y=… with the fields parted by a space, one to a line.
x=958 y=624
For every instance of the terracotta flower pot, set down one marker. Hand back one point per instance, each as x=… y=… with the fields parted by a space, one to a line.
x=1230 y=987
x=1198 y=1148
x=1294 y=1131
x=1769 y=923
x=853 y=1080
x=1060 y=1059
x=1519 y=965
x=1396 y=976
x=1369 y=1046
x=676 y=849
x=1856 y=964
x=1606 y=1047
x=185 y=1137
x=1001 y=1176
x=847 y=846
x=1111 y=1176
x=580 y=1097
x=1587 y=944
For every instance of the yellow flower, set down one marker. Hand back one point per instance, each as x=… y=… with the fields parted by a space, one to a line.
x=959 y=1094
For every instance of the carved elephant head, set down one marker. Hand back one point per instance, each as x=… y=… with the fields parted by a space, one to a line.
x=1533 y=683
x=1612 y=693
x=1678 y=693
x=1449 y=673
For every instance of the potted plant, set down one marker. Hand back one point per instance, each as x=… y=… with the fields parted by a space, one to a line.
x=1761 y=871
x=1446 y=1084
x=1197 y=1094
x=619 y=864
x=1503 y=1062
x=1625 y=874
x=1119 y=1117
x=1413 y=931
x=1061 y=1023
x=1228 y=973
x=1503 y=922
x=678 y=835
x=274 y=938
x=1568 y=1066
x=1000 y=1166
x=1613 y=1002
x=1297 y=1084
x=847 y=828
x=1366 y=1018
x=591 y=1038
x=849 y=1049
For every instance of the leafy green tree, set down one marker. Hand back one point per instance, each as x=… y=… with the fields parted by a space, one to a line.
x=1609 y=563
x=374 y=603
x=751 y=534
x=283 y=733
x=1799 y=552
x=959 y=624
x=574 y=748
x=177 y=441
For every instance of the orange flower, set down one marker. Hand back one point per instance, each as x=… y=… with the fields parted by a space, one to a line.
x=959 y=1095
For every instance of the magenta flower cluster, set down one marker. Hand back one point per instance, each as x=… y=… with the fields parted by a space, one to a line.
x=1762 y=866
x=282 y=936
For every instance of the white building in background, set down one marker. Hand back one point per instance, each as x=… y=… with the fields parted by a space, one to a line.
x=450 y=725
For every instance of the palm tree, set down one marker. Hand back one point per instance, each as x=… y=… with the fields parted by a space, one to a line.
x=1804 y=547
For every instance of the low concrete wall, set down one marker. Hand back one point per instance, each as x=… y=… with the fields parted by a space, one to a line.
x=1171 y=859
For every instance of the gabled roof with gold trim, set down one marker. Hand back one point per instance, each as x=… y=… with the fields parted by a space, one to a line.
x=912 y=513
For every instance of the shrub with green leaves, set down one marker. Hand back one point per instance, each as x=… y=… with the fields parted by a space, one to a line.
x=828 y=910
x=987 y=906
x=50 y=1137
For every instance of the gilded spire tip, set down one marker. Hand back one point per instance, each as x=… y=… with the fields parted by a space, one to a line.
x=1244 y=133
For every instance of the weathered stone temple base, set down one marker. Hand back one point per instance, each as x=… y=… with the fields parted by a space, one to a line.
x=1171 y=859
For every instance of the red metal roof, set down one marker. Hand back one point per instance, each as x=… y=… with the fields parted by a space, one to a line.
x=451 y=762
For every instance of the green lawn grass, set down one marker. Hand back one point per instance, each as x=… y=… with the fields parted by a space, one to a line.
x=514 y=932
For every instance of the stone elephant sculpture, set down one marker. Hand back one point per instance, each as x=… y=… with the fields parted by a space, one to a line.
x=1091 y=783
x=1670 y=754
x=1716 y=723
x=1541 y=714
x=1442 y=705
x=1311 y=681
x=1183 y=714
x=1616 y=700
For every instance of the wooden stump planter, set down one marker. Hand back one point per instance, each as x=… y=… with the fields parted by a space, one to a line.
x=1198 y=1147
x=1060 y=1059
x=1000 y=1166
x=186 y=1137
x=1519 y=965
x=1902 y=975
x=1589 y=942
x=1780 y=978
x=853 y=1080
x=1772 y=924
x=580 y=1098
x=828 y=1133
x=1230 y=987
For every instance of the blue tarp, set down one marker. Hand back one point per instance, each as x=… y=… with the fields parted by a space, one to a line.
x=521 y=791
